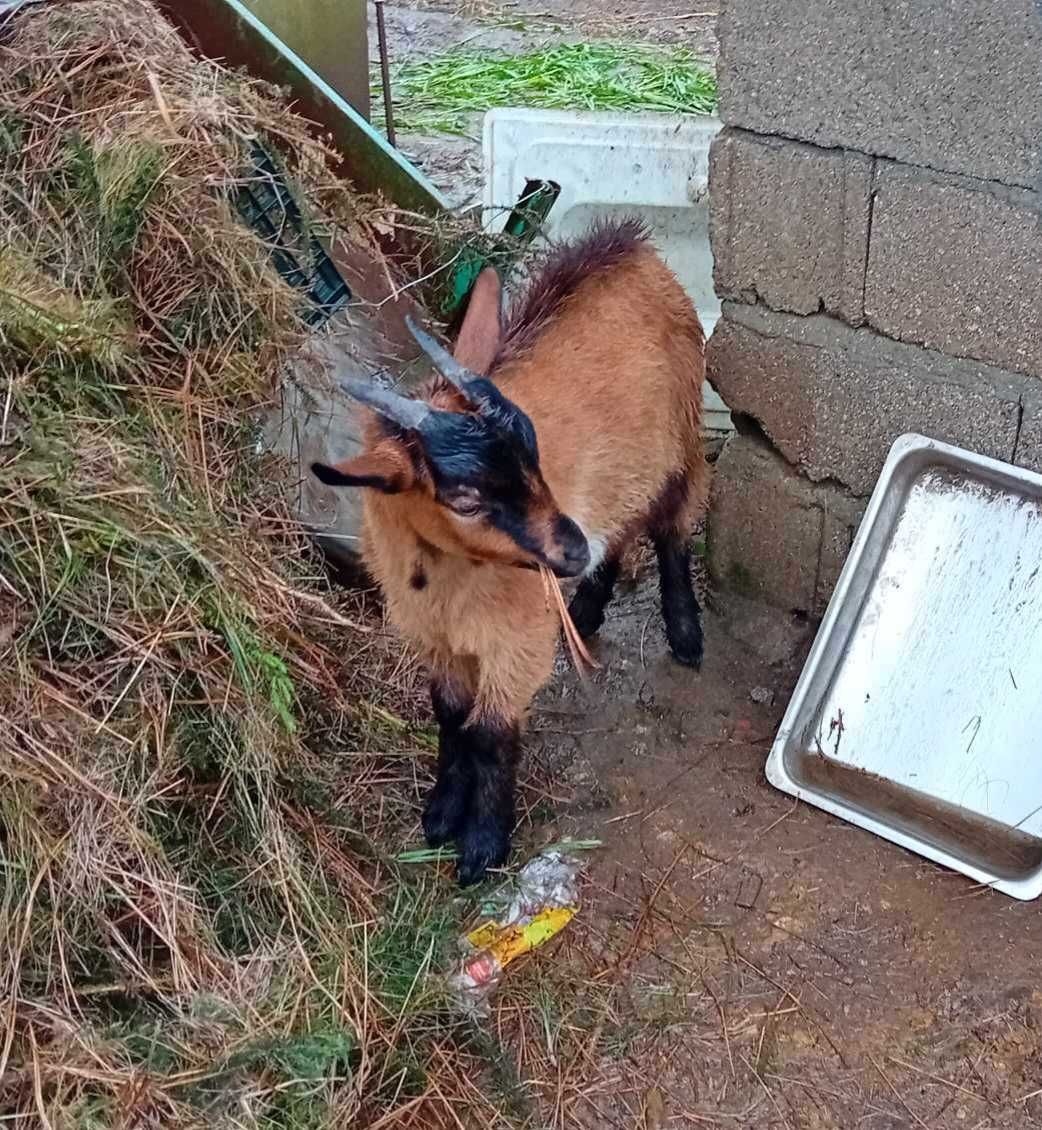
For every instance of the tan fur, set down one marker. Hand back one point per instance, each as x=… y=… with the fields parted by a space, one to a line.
x=385 y=460
x=613 y=386
x=478 y=339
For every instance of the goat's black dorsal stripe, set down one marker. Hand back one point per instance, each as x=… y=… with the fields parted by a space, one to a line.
x=603 y=246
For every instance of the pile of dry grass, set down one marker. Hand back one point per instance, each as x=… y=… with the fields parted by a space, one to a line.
x=196 y=918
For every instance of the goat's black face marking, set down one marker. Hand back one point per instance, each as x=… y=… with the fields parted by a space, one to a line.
x=573 y=546
x=487 y=466
x=504 y=413
x=477 y=450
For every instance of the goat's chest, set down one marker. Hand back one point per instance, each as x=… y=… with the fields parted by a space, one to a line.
x=450 y=606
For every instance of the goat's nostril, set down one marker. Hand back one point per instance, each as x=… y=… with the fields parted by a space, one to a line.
x=572 y=551
x=580 y=551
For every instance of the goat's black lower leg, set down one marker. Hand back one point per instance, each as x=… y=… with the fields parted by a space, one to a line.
x=446 y=808
x=592 y=596
x=494 y=746
x=679 y=607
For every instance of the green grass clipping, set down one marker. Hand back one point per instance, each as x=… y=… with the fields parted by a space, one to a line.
x=440 y=95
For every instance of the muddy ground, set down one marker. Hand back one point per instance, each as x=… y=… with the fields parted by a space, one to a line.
x=763 y=964
x=740 y=960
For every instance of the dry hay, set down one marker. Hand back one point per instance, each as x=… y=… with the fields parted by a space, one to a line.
x=194 y=781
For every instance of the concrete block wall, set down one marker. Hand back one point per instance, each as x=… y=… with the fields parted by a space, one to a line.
x=875 y=221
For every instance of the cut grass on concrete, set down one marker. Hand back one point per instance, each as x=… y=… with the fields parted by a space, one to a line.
x=439 y=95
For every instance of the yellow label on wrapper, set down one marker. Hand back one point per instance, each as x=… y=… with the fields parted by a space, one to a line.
x=504 y=943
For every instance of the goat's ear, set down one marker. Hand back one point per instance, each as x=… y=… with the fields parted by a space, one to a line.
x=479 y=336
x=387 y=468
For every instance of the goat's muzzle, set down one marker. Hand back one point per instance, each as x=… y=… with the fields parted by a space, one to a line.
x=571 y=553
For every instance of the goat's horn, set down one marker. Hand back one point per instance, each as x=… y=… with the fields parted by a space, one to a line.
x=403 y=411
x=443 y=360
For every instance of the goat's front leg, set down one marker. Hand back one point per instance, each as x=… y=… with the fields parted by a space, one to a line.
x=592 y=597
x=492 y=743
x=447 y=804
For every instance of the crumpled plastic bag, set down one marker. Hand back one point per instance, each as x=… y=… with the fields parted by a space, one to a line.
x=520 y=916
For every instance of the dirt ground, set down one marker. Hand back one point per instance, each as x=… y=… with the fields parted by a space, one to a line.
x=740 y=960
x=763 y=964
x=656 y=21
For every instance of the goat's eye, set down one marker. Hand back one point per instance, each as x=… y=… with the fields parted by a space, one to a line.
x=466 y=507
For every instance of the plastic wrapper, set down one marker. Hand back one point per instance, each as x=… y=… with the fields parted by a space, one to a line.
x=519 y=916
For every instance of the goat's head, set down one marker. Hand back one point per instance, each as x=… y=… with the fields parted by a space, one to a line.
x=466 y=457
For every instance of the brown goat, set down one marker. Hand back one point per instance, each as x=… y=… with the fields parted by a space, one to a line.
x=589 y=437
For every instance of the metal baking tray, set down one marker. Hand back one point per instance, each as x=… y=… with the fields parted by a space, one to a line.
x=918 y=714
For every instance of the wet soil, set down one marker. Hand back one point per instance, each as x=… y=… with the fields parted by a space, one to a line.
x=769 y=965
x=669 y=22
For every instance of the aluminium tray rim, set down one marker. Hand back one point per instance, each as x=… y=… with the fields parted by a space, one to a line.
x=903 y=448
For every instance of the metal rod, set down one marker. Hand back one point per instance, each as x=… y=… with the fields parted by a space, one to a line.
x=385 y=72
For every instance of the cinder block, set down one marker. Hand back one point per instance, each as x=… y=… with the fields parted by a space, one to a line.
x=955 y=86
x=1029 y=441
x=957 y=267
x=841 y=516
x=832 y=399
x=773 y=534
x=789 y=224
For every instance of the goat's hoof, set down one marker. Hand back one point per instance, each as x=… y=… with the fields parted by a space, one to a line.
x=480 y=849
x=687 y=645
x=444 y=815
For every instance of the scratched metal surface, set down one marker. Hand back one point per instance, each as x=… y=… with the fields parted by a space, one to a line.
x=919 y=712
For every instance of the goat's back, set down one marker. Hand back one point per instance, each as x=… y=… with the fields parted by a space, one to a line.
x=613 y=383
